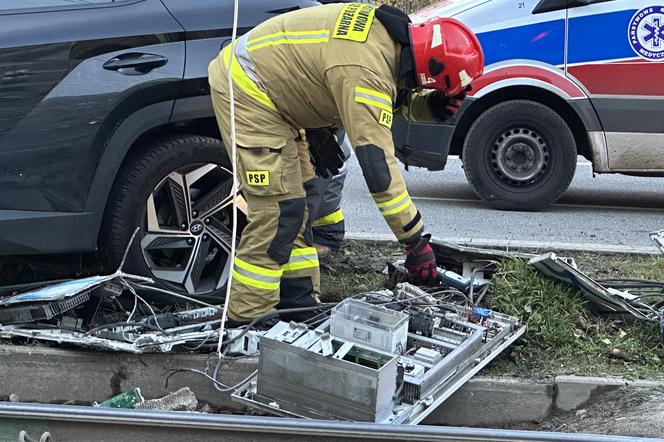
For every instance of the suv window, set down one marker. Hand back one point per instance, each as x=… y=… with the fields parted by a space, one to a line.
x=7 y=5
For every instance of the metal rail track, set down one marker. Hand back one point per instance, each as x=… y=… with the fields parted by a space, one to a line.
x=73 y=423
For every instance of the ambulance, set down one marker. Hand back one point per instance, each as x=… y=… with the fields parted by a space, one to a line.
x=563 y=78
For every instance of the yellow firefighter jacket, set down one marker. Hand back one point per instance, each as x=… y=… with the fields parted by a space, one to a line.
x=331 y=65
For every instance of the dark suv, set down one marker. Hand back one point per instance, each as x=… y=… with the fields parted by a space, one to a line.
x=106 y=125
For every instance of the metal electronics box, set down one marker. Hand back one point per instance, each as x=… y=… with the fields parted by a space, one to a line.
x=353 y=384
x=331 y=373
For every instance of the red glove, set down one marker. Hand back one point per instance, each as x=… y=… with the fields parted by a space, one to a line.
x=420 y=260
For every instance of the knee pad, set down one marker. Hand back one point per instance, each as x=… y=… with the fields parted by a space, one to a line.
x=291 y=218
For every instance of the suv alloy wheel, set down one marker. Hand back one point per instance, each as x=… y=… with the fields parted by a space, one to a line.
x=178 y=191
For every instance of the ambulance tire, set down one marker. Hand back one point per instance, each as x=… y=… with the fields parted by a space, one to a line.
x=141 y=174
x=519 y=155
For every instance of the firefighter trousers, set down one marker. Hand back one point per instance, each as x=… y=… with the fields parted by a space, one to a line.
x=276 y=265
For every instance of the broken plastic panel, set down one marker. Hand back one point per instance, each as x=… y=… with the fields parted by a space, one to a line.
x=61 y=291
x=605 y=299
x=322 y=374
x=658 y=239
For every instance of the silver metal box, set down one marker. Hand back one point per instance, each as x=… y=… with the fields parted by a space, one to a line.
x=354 y=384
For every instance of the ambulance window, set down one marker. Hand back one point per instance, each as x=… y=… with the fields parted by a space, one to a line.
x=557 y=5
x=550 y=5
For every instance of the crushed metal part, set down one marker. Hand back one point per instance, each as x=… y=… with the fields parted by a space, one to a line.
x=65 y=290
x=606 y=299
x=466 y=259
x=41 y=312
x=359 y=375
x=181 y=400
x=658 y=239
x=242 y=344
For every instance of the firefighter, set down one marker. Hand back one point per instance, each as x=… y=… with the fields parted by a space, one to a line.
x=346 y=65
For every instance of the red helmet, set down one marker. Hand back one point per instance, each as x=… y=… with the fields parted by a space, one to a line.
x=447 y=55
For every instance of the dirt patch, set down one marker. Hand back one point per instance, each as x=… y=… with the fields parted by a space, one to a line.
x=626 y=412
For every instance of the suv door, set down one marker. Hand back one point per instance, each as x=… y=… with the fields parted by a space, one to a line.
x=616 y=50
x=70 y=72
x=208 y=25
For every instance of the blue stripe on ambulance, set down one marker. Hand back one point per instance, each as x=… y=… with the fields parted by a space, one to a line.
x=592 y=38
x=539 y=41
x=600 y=37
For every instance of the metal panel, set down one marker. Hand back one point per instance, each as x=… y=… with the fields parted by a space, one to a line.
x=333 y=387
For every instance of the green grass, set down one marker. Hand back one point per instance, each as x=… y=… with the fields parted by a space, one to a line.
x=563 y=336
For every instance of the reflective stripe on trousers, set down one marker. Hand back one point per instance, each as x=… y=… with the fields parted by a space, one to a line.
x=332 y=218
x=300 y=259
x=395 y=205
x=256 y=276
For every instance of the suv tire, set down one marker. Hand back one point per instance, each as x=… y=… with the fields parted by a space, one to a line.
x=151 y=186
x=519 y=155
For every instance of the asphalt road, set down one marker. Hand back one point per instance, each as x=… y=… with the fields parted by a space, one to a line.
x=607 y=211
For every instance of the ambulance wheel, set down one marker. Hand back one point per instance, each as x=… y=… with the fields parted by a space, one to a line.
x=519 y=155
x=177 y=190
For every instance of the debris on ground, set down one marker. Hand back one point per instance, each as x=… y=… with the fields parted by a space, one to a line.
x=385 y=356
x=181 y=400
x=126 y=399
x=642 y=299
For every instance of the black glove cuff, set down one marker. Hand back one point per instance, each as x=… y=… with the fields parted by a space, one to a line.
x=417 y=243
x=438 y=106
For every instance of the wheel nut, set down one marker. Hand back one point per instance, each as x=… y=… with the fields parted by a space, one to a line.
x=207 y=221
x=205 y=237
x=190 y=241
x=195 y=213
x=183 y=227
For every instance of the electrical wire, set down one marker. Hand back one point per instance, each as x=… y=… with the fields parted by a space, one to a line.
x=234 y=190
x=177 y=295
x=126 y=324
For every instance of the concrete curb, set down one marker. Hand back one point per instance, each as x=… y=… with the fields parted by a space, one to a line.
x=47 y=375
x=531 y=246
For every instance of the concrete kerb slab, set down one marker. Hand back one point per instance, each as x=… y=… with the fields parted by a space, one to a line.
x=529 y=246
x=48 y=375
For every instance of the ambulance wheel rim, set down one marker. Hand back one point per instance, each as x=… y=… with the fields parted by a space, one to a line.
x=520 y=157
x=188 y=219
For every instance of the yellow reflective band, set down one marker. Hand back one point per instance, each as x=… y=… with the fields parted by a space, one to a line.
x=332 y=218
x=377 y=95
x=393 y=201
x=304 y=251
x=300 y=265
x=258 y=270
x=373 y=98
x=289 y=37
x=401 y=208
x=243 y=81
x=354 y=22
x=304 y=258
x=254 y=282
